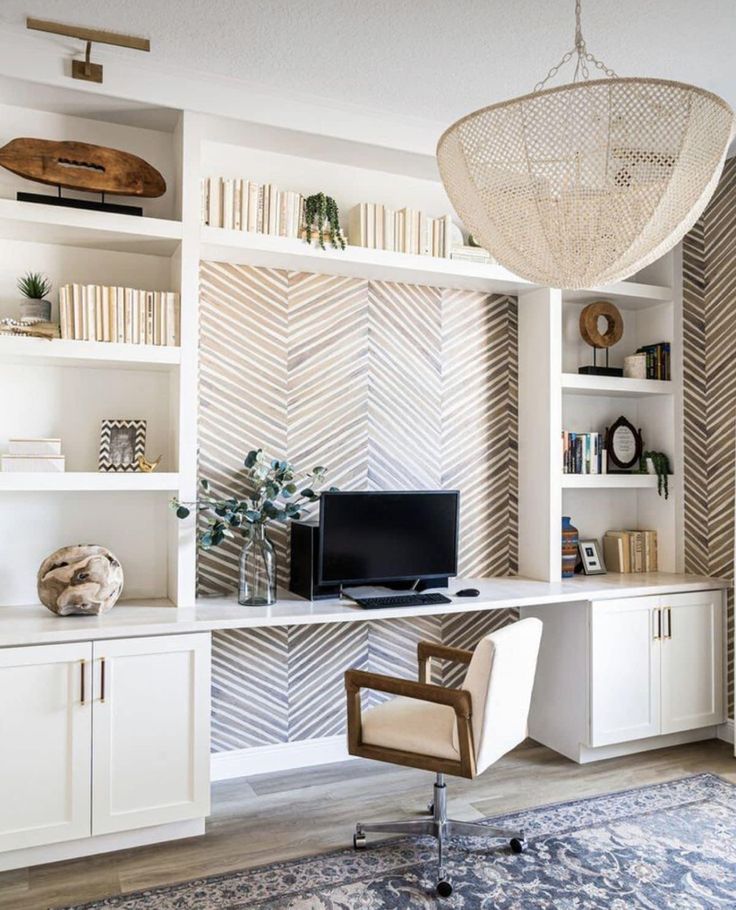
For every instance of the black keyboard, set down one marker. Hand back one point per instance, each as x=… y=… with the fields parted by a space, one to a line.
x=402 y=600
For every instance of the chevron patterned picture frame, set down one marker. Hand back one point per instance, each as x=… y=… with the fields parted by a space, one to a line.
x=122 y=445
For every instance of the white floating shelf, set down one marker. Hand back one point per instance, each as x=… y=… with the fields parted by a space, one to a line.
x=629 y=295
x=93 y=230
x=246 y=248
x=613 y=386
x=609 y=481
x=87 y=482
x=97 y=354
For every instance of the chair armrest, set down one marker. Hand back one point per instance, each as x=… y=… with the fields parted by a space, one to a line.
x=426 y=650
x=458 y=699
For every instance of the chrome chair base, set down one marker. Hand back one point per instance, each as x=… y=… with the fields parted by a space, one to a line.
x=440 y=827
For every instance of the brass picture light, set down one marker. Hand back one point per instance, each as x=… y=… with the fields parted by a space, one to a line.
x=85 y=69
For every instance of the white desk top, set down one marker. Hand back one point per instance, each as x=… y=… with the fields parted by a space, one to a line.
x=34 y=624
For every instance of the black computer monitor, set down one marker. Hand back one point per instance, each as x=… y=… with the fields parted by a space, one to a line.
x=370 y=538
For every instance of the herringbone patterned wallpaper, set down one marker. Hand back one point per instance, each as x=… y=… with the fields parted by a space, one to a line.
x=392 y=386
x=709 y=360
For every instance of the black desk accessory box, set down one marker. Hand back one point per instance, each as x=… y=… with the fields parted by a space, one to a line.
x=304 y=577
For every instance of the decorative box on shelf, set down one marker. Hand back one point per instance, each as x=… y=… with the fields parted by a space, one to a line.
x=37 y=464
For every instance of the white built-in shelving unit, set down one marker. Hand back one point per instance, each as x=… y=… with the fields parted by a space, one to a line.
x=64 y=388
x=555 y=397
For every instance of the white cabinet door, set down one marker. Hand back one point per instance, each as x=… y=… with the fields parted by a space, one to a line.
x=692 y=661
x=45 y=744
x=624 y=670
x=151 y=731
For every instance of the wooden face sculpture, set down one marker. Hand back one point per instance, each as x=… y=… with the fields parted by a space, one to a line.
x=80 y=580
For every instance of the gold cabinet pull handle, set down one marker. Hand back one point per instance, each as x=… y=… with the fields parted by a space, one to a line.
x=82 y=699
x=658 y=631
x=102 y=679
x=668 y=611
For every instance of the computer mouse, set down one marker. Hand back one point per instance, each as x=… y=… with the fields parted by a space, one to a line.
x=467 y=592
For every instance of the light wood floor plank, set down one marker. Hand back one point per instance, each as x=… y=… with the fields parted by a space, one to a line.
x=282 y=816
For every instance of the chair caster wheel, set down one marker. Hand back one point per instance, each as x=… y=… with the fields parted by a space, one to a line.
x=359 y=841
x=444 y=889
x=430 y=808
x=517 y=845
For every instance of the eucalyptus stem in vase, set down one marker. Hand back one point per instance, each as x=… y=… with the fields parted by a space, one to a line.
x=275 y=491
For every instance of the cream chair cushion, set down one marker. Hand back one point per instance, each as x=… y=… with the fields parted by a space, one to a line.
x=500 y=679
x=412 y=726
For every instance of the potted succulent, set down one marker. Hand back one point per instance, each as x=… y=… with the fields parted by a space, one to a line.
x=275 y=491
x=322 y=217
x=34 y=287
x=657 y=463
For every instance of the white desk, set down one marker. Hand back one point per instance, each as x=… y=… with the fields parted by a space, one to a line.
x=54 y=671
x=33 y=624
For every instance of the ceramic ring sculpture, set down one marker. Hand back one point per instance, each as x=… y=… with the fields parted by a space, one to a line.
x=81 y=580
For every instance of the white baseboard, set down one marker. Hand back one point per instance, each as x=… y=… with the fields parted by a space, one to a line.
x=588 y=754
x=102 y=843
x=278 y=757
x=725 y=731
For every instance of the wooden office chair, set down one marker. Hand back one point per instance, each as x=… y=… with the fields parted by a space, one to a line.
x=449 y=731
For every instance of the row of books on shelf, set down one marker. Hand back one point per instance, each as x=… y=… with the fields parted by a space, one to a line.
x=630 y=551
x=406 y=230
x=243 y=205
x=658 y=360
x=262 y=208
x=93 y=312
x=583 y=453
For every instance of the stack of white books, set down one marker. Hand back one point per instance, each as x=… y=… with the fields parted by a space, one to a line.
x=35 y=455
x=243 y=205
x=94 y=312
x=471 y=254
x=400 y=230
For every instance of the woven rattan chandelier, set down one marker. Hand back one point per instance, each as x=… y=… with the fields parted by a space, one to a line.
x=586 y=183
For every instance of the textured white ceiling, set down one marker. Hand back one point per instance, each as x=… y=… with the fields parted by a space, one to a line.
x=435 y=59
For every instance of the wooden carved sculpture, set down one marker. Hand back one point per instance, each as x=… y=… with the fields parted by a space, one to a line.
x=80 y=580
x=81 y=166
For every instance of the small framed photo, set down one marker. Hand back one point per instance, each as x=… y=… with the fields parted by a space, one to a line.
x=122 y=444
x=590 y=554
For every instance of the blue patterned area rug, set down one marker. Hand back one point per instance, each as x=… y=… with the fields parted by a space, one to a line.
x=670 y=846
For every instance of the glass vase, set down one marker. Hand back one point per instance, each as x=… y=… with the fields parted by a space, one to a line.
x=257 y=586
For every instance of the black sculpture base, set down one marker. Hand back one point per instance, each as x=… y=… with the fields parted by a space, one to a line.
x=601 y=371
x=88 y=204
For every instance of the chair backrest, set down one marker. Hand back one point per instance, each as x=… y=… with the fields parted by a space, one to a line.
x=500 y=679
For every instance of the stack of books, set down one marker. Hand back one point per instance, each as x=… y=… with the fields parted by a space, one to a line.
x=94 y=312
x=583 y=453
x=242 y=205
x=630 y=551
x=658 y=360
x=35 y=455
x=471 y=254
x=400 y=231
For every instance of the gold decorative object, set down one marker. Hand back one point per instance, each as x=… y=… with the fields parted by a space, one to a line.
x=148 y=467
x=586 y=183
x=85 y=69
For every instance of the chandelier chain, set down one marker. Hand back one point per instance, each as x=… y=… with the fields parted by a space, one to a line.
x=583 y=54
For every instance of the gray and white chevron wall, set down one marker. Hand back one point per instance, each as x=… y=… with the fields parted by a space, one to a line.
x=709 y=362
x=392 y=386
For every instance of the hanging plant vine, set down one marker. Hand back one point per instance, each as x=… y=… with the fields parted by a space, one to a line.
x=320 y=211
x=661 y=464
